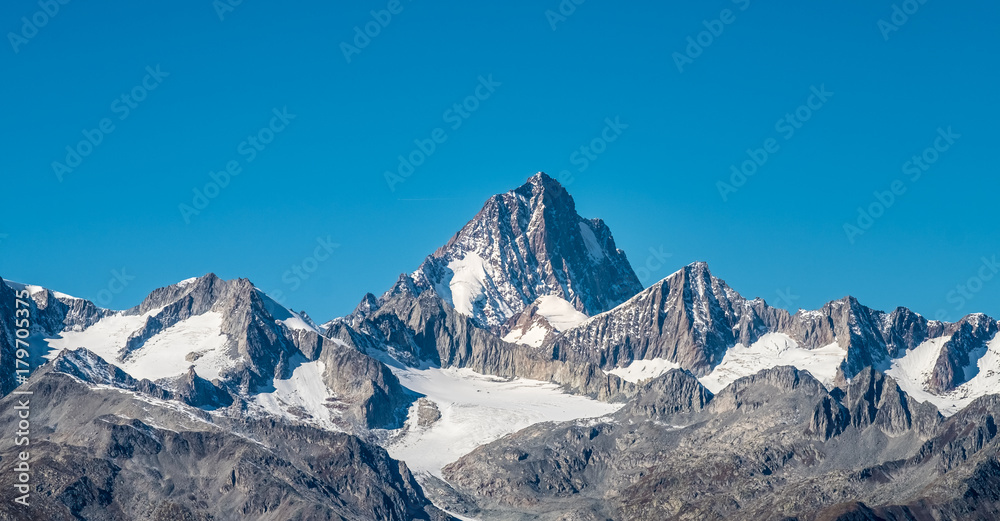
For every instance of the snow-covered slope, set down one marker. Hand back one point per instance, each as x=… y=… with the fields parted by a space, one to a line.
x=196 y=341
x=773 y=350
x=549 y=314
x=914 y=370
x=303 y=396
x=476 y=409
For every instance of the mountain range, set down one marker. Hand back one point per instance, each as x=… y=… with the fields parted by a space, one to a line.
x=521 y=371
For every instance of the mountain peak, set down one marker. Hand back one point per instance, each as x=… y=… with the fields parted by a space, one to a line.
x=543 y=181
x=524 y=244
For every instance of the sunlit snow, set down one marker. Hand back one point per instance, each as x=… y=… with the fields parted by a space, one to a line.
x=772 y=350
x=477 y=409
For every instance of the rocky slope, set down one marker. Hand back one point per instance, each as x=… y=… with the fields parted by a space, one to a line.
x=775 y=445
x=104 y=448
x=693 y=319
x=48 y=314
x=215 y=343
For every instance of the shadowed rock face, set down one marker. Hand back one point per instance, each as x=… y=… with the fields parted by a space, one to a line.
x=532 y=243
x=118 y=455
x=775 y=445
x=48 y=316
x=690 y=318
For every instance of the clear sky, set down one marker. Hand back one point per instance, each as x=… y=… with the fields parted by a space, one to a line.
x=171 y=91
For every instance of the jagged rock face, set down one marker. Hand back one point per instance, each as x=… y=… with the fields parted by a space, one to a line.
x=690 y=318
x=198 y=392
x=424 y=327
x=263 y=350
x=677 y=392
x=258 y=347
x=524 y=244
x=970 y=335
x=875 y=399
x=88 y=367
x=776 y=445
x=49 y=314
x=256 y=343
x=115 y=456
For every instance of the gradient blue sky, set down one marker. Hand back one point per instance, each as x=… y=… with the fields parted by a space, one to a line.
x=782 y=232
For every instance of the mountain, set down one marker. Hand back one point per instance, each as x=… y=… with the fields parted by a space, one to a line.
x=520 y=372
x=217 y=343
x=524 y=268
x=774 y=445
x=522 y=245
x=49 y=313
x=695 y=321
x=104 y=448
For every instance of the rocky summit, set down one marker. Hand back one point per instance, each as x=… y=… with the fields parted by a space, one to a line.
x=520 y=372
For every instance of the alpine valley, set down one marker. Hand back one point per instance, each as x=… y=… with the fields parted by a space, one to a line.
x=520 y=372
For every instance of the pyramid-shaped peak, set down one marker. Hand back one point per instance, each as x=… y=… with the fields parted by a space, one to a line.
x=546 y=186
x=527 y=243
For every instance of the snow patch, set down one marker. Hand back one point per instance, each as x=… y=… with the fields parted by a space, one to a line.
x=559 y=313
x=594 y=249
x=640 y=370
x=468 y=282
x=165 y=355
x=477 y=409
x=186 y=282
x=533 y=337
x=303 y=392
x=297 y=322
x=912 y=371
x=772 y=350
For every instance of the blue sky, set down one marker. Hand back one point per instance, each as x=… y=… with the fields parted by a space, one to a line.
x=202 y=92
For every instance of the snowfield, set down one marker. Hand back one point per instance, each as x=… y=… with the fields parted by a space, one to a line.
x=772 y=350
x=477 y=409
x=559 y=313
x=165 y=355
x=913 y=369
x=304 y=393
x=640 y=370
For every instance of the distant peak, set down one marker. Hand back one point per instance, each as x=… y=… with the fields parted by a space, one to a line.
x=697 y=266
x=540 y=178
x=541 y=182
